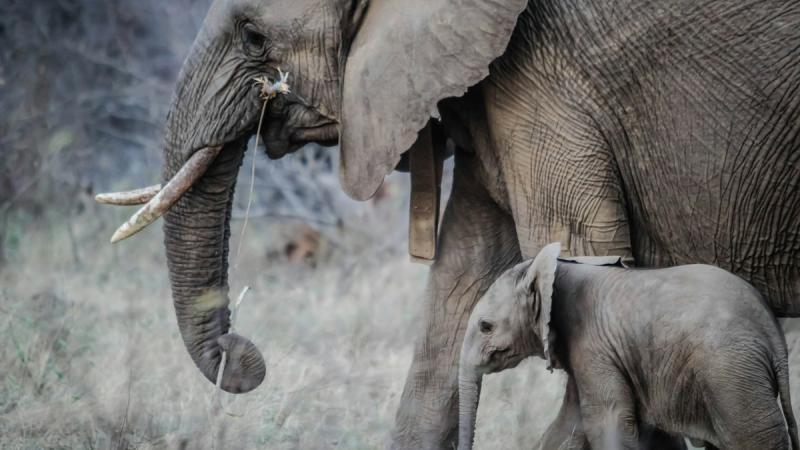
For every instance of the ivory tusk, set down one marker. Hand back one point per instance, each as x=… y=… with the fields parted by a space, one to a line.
x=191 y=171
x=126 y=198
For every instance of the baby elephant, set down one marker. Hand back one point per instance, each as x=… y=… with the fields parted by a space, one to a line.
x=691 y=350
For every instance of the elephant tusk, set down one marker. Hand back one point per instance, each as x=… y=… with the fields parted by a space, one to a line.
x=191 y=171
x=127 y=198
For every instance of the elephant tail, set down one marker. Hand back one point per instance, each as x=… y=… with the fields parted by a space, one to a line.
x=782 y=376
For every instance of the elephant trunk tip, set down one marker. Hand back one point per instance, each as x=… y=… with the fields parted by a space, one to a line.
x=244 y=369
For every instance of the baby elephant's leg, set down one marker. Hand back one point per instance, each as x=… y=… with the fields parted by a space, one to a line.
x=608 y=412
x=566 y=431
x=748 y=417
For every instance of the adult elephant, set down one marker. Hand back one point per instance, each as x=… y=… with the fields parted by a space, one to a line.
x=663 y=131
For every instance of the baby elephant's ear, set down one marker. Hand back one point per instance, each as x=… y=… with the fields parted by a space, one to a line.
x=537 y=285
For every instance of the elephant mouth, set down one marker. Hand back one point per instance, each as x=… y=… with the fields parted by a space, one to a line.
x=281 y=137
x=326 y=135
x=502 y=358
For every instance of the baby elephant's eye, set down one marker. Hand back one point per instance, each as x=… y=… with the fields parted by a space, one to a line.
x=486 y=327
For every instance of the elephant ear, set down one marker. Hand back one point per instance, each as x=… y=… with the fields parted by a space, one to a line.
x=405 y=57
x=536 y=284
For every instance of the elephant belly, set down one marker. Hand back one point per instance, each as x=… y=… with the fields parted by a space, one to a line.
x=708 y=148
x=698 y=195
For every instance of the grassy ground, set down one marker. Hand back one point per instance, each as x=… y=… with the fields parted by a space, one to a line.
x=92 y=357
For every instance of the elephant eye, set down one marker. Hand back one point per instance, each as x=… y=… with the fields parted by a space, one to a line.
x=253 y=41
x=486 y=327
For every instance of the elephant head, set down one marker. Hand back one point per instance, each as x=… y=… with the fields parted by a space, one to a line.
x=365 y=73
x=509 y=323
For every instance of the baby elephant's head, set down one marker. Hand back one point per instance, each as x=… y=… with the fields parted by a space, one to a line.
x=509 y=323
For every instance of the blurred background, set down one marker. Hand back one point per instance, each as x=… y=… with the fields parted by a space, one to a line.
x=91 y=356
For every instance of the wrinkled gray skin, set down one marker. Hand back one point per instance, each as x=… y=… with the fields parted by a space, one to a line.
x=693 y=350
x=663 y=131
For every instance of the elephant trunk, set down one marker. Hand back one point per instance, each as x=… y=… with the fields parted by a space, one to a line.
x=196 y=234
x=469 y=392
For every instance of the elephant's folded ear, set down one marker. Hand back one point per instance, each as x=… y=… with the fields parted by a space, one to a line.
x=406 y=56
x=537 y=282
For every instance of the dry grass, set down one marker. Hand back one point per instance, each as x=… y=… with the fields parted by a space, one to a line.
x=93 y=358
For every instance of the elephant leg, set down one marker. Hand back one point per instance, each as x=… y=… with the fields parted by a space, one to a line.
x=748 y=417
x=478 y=242
x=608 y=412
x=566 y=430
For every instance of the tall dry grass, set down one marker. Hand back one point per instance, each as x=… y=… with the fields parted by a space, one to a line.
x=94 y=359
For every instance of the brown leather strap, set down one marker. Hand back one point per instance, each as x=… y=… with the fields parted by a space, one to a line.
x=426 y=175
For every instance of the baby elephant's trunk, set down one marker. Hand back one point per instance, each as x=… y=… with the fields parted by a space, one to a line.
x=469 y=392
